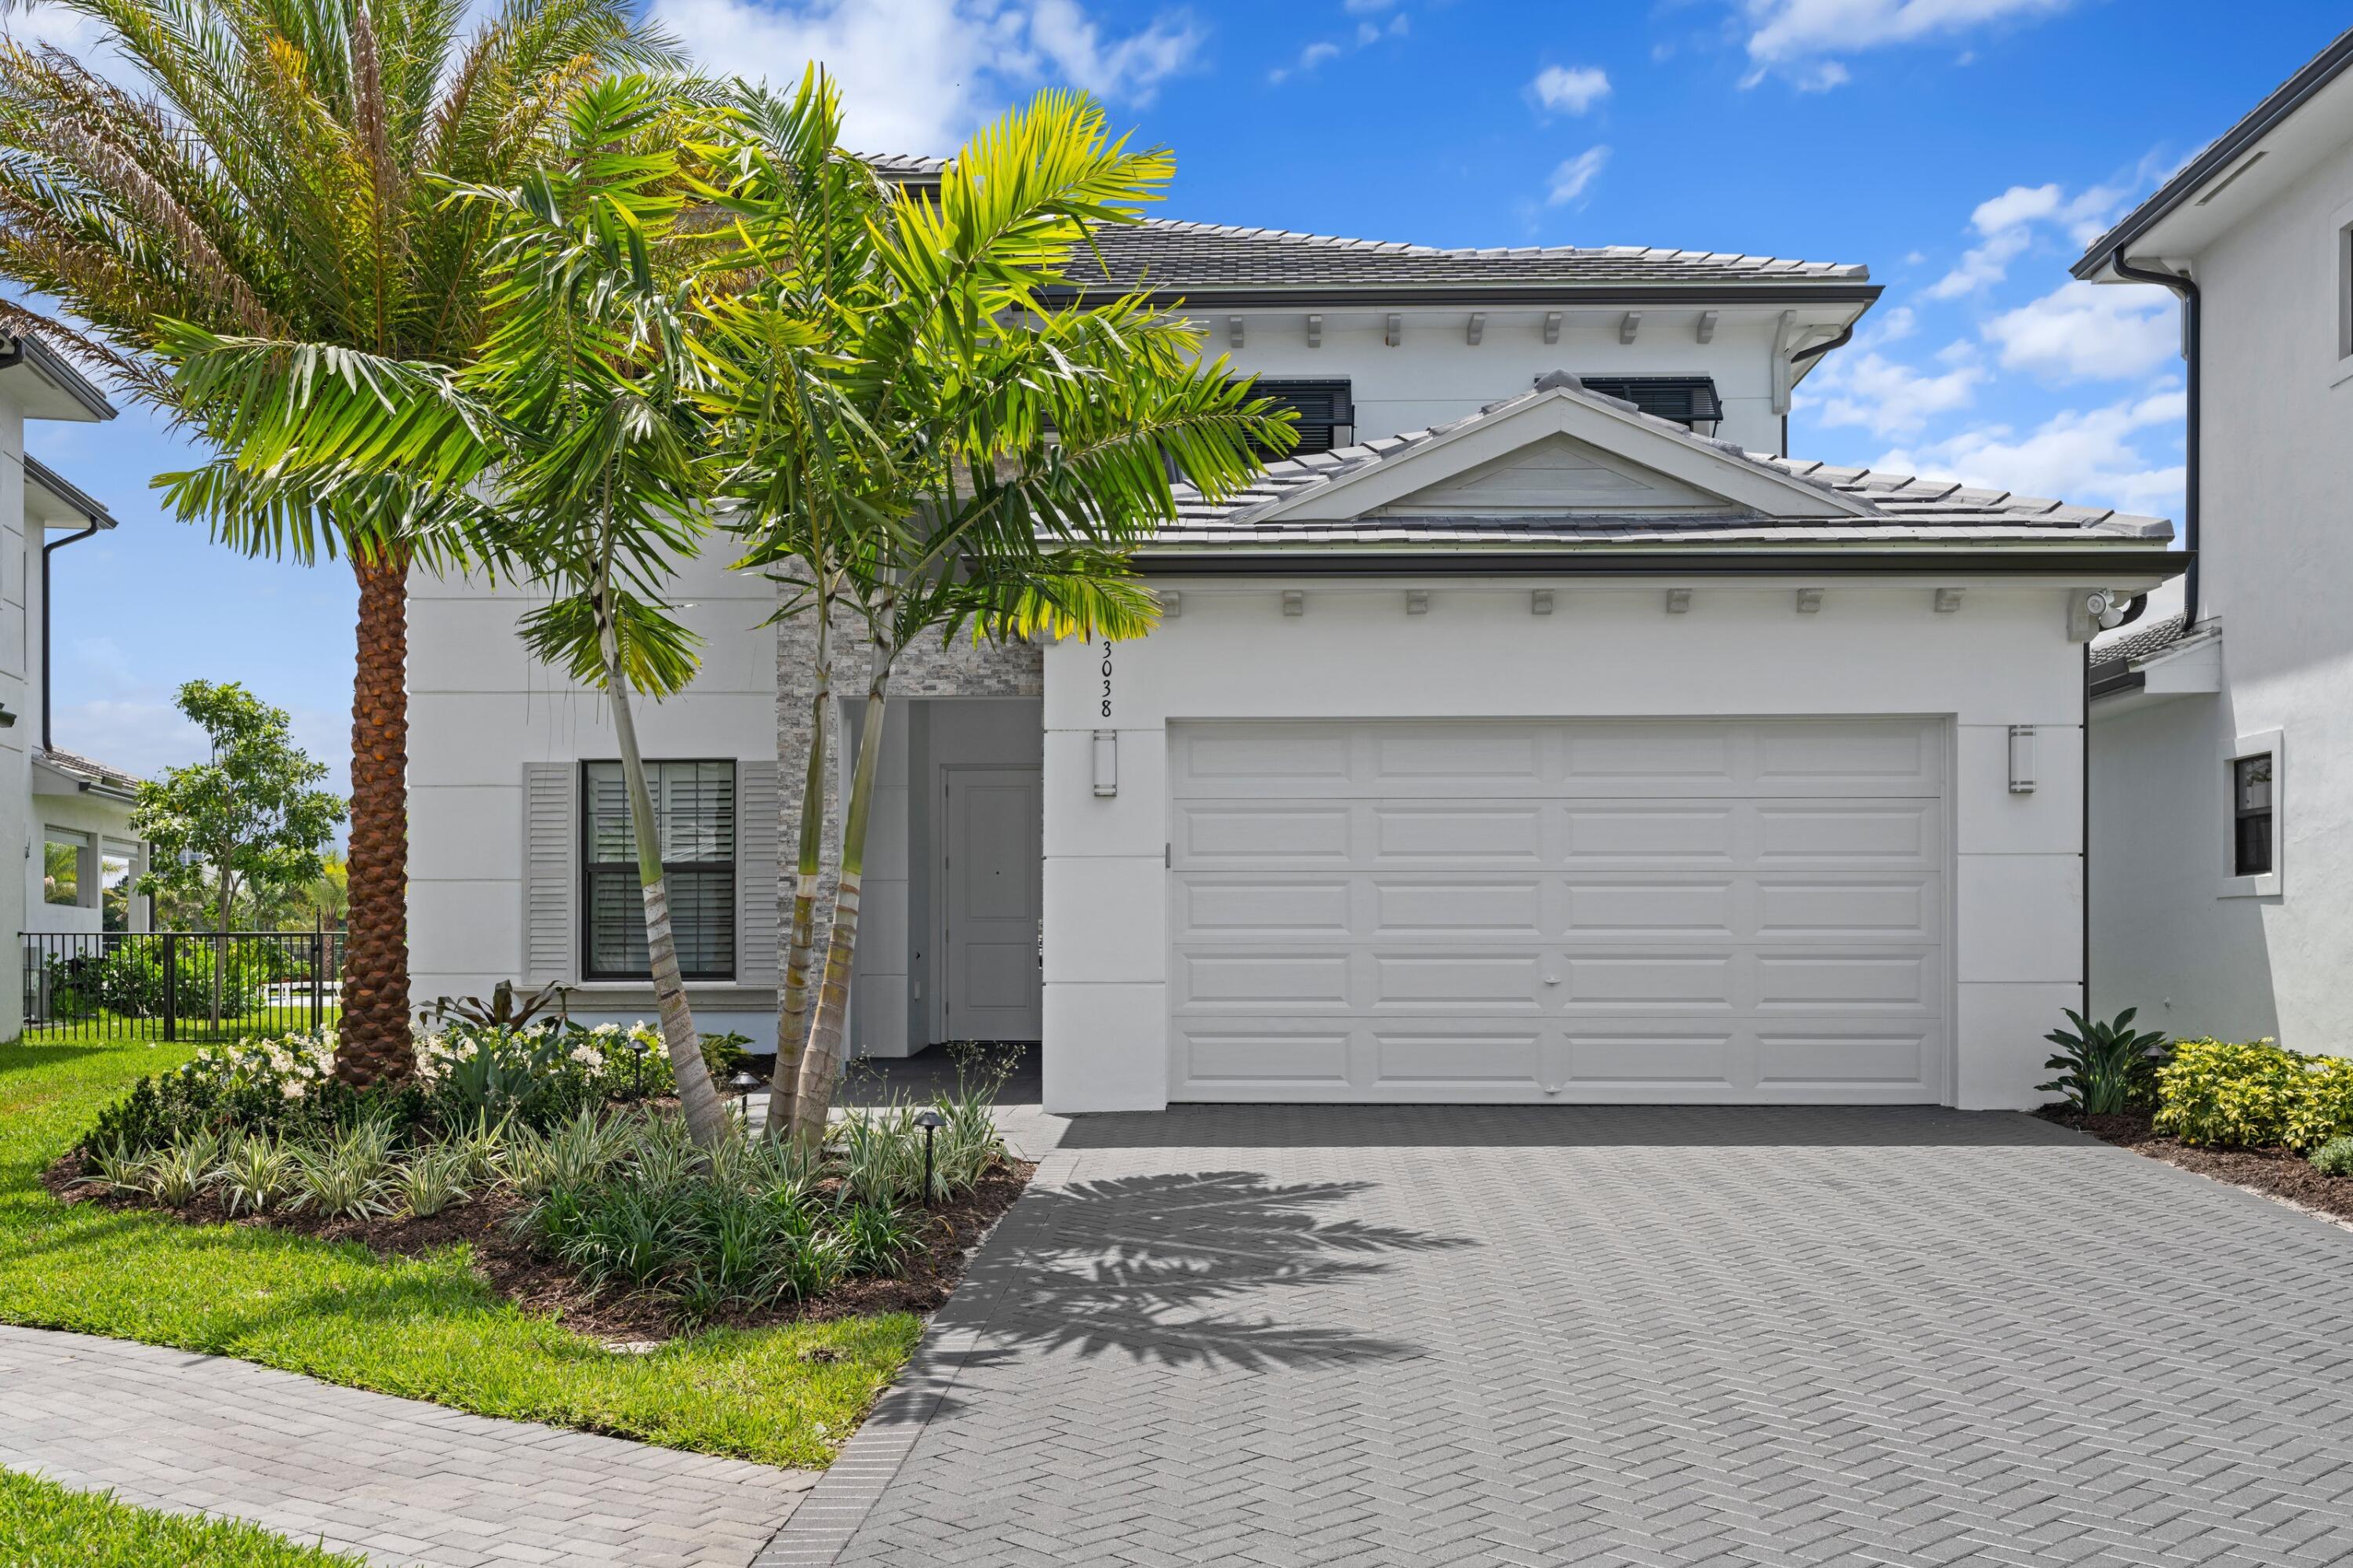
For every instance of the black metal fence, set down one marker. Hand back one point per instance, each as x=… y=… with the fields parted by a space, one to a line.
x=180 y=985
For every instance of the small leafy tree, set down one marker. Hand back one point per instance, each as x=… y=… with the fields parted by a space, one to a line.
x=250 y=818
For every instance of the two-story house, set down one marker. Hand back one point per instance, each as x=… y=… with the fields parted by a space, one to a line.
x=2222 y=727
x=64 y=818
x=1540 y=731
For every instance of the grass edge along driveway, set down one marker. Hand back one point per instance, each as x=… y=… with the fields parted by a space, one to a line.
x=423 y=1328
x=45 y=1525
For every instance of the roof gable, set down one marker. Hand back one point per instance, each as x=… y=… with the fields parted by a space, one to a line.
x=1561 y=451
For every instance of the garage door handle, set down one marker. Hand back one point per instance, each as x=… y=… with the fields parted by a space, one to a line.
x=1552 y=980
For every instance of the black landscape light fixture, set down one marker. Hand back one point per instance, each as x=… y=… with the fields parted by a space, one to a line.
x=931 y=1121
x=742 y=1085
x=638 y=1047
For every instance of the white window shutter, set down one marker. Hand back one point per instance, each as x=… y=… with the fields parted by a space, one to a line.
x=756 y=873
x=551 y=874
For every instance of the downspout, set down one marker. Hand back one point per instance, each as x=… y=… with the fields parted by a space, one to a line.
x=1846 y=336
x=46 y=549
x=2190 y=335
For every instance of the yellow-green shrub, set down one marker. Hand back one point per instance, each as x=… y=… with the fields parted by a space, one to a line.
x=2212 y=1091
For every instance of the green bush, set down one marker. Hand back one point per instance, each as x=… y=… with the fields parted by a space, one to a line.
x=2256 y=1094
x=129 y=978
x=2106 y=1068
x=2334 y=1157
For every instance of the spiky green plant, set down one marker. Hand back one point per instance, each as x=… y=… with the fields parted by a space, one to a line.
x=2108 y=1067
x=257 y=1172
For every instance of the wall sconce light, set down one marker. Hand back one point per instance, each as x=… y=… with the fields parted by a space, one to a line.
x=1172 y=604
x=2021 y=759
x=1678 y=601
x=1809 y=601
x=1107 y=762
x=1417 y=602
x=1948 y=600
x=1540 y=601
x=1295 y=601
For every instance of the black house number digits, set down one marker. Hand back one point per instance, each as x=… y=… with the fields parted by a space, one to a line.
x=1106 y=674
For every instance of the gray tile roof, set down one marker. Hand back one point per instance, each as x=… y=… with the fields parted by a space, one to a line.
x=86 y=767
x=1173 y=256
x=903 y=165
x=2140 y=642
x=1903 y=510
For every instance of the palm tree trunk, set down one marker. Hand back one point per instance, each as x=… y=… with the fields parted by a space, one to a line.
x=792 y=1017
x=374 y=1040
x=822 y=1060
x=706 y=1119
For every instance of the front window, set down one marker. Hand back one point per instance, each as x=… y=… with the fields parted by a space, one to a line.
x=2251 y=815
x=694 y=811
x=114 y=892
x=61 y=866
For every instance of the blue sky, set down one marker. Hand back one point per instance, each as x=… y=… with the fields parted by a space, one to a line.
x=1964 y=149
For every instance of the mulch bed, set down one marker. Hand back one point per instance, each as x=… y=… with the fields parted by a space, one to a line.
x=2276 y=1172
x=633 y=1318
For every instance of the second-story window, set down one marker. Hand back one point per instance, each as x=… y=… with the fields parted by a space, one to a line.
x=1327 y=415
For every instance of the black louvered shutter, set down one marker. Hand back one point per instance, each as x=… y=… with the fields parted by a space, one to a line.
x=1327 y=415
x=1686 y=399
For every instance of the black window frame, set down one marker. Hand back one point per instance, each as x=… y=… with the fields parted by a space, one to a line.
x=2255 y=827
x=1330 y=409
x=593 y=870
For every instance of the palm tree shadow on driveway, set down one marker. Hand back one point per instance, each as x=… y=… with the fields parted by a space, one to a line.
x=1180 y=1270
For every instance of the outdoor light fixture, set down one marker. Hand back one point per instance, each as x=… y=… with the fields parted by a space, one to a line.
x=1948 y=600
x=1809 y=601
x=1107 y=762
x=1417 y=602
x=1540 y=601
x=1171 y=603
x=2021 y=759
x=1678 y=601
x=931 y=1121
x=638 y=1078
x=742 y=1084
x=1295 y=601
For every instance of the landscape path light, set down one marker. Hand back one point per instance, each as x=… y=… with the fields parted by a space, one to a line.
x=931 y=1121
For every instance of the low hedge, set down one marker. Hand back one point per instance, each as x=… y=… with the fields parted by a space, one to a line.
x=2256 y=1093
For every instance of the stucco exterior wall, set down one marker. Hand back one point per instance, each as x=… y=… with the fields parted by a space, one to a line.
x=1741 y=650
x=1434 y=375
x=2276 y=548
x=481 y=707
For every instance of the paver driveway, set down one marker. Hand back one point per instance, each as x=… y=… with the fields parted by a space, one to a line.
x=1628 y=1336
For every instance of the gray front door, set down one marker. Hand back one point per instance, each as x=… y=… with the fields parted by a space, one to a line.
x=996 y=893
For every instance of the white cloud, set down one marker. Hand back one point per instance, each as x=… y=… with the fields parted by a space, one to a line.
x=2007 y=224
x=1887 y=397
x=2089 y=331
x=1573 y=178
x=1799 y=38
x=918 y=75
x=1889 y=326
x=1570 y=89
x=2089 y=457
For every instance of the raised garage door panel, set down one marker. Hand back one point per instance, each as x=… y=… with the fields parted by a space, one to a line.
x=1630 y=910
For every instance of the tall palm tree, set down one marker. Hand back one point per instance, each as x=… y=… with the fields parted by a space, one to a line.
x=270 y=181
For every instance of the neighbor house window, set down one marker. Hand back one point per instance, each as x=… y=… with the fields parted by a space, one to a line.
x=2251 y=815
x=61 y=866
x=114 y=891
x=694 y=811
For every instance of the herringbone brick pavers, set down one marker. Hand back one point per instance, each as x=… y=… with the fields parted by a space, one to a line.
x=399 y=1481
x=1635 y=1336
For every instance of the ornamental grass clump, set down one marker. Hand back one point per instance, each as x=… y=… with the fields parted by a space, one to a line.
x=257 y=1172
x=347 y=1178
x=2256 y=1094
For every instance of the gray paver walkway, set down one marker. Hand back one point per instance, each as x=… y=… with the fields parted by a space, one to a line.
x=398 y=1480
x=1621 y=1337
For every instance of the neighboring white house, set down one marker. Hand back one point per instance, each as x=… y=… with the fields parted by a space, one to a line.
x=65 y=819
x=2222 y=742
x=1528 y=735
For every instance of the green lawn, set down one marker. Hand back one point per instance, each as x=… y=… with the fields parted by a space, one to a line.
x=43 y=1525
x=426 y=1328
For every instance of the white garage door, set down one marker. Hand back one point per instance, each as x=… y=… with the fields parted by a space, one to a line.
x=1694 y=910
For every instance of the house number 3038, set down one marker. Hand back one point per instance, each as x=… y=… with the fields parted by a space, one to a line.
x=1107 y=675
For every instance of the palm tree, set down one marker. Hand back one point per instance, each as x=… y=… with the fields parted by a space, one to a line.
x=271 y=182
x=908 y=432
x=567 y=445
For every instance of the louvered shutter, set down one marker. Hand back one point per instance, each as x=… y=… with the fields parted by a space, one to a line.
x=756 y=872
x=550 y=872
x=1327 y=415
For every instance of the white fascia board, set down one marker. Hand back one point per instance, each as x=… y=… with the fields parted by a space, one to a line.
x=1746 y=485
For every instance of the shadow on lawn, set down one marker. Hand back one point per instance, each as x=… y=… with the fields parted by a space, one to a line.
x=1141 y=1264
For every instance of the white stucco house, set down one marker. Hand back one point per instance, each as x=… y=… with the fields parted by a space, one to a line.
x=2221 y=730
x=65 y=819
x=1540 y=732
